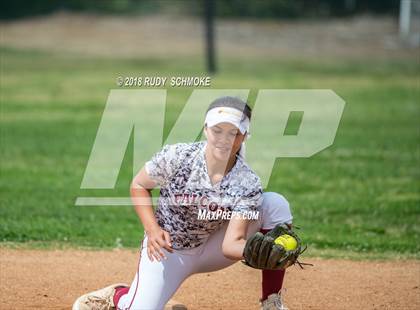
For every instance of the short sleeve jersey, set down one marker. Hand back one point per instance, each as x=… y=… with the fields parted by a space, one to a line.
x=185 y=188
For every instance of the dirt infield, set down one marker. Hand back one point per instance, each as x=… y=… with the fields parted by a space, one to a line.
x=45 y=279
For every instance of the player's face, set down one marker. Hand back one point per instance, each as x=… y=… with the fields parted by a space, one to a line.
x=224 y=140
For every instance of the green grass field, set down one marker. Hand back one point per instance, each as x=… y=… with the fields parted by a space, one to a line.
x=361 y=195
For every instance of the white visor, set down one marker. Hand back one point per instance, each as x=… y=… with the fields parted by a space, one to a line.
x=227 y=115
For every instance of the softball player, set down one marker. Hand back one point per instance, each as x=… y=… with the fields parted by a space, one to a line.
x=207 y=194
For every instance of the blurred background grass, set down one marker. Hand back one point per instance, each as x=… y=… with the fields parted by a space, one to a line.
x=361 y=195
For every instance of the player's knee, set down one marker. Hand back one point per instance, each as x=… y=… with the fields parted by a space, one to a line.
x=275 y=200
x=276 y=208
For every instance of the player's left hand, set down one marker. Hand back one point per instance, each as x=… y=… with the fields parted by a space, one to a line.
x=262 y=252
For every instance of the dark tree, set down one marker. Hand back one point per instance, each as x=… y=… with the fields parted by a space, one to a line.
x=209 y=8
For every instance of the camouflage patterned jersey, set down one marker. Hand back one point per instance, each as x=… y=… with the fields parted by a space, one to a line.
x=186 y=191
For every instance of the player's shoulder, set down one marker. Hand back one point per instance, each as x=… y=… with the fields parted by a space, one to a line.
x=180 y=147
x=245 y=170
x=181 y=150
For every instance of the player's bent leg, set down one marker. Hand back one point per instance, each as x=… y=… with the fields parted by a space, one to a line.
x=275 y=209
x=156 y=282
x=212 y=257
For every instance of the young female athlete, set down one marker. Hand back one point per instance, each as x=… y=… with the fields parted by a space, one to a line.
x=197 y=179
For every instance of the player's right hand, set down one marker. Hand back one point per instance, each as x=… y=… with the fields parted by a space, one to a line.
x=157 y=239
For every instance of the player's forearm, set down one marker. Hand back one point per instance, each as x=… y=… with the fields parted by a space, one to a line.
x=234 y=249
x=143 y=205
